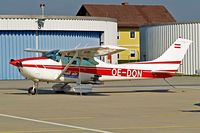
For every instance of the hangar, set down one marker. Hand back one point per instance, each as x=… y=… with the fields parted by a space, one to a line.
x=155 y=39
x=50 y=32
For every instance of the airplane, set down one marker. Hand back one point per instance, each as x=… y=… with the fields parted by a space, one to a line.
x=82 y=67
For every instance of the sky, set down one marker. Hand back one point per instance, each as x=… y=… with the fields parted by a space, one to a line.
x=182 y=10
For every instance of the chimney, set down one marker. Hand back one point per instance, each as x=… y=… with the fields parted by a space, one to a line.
x=124 y=3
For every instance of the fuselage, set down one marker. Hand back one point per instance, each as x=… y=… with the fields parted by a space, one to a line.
x=80 y=65
x=47 y=70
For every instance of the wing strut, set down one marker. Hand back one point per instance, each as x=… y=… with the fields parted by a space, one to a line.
x=67 y=66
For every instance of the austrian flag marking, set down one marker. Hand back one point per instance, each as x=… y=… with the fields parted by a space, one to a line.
x=177 y=45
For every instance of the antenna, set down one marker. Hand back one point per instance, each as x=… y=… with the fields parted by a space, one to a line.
x=42 y=6
x=41 y=20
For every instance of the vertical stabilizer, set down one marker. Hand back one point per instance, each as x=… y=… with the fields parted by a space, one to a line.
x=176 y=51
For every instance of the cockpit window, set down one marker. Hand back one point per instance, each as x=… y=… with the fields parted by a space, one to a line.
x=54 y=55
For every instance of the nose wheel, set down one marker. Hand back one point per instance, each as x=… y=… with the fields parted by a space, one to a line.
x=33 y=90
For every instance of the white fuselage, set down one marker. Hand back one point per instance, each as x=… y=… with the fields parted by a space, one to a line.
x=47 y=70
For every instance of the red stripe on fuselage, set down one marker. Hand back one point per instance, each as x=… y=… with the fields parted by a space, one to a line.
x=103 y=71
x=33 y=58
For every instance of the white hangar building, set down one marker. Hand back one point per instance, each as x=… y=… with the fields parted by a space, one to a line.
x=155 y=39
x=50 y=32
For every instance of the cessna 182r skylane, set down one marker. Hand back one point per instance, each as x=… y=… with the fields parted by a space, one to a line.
x=81 y=67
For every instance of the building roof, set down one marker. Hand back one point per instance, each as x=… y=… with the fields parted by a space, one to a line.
x=57 y=17
x=172 y=23
x=129 y=15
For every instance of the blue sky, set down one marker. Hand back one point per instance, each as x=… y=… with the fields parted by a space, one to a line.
x=182 y=10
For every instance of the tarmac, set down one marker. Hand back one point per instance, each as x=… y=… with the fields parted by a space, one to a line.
x=136 y=106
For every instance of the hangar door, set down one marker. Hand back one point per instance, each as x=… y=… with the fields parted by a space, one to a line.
x=13 y=43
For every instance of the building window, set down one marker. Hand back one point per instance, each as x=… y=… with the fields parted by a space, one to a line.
x=132 y=53
x=118 y=35
x=132 y=34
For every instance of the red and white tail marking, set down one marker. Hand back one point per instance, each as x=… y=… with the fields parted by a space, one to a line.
x=177 y=45
x=176 y=51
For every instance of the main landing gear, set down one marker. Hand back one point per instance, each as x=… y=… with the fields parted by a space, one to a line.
x=33 y=90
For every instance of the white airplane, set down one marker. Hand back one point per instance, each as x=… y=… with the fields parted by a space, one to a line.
x=81 y=67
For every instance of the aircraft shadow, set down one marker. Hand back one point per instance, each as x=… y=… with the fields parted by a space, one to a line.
x=101 y=93
x=118 y=86
x=196 y=104
x=46 y=92
x=137 y=91
x=194 y=111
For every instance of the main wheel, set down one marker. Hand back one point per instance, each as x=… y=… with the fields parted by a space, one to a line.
x=32 y=91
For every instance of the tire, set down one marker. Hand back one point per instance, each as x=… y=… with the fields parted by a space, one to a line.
x=32 y=91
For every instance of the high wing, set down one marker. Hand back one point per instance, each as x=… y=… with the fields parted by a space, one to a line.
x=89 y=52
x=36 y=50
x=93 y=51
x=85 y=52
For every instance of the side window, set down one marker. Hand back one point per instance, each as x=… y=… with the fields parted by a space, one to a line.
x=66 y=59
x=85 y=61
x=89 y=62
x=76 y=61
x=132 y=34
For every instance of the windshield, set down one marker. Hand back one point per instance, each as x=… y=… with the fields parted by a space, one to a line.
x=54 y=55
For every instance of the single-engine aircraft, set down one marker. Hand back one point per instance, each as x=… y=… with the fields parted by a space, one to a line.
x=80 y=66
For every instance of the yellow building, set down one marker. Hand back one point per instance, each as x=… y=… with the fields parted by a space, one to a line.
x=130 y=39
x=129 y=19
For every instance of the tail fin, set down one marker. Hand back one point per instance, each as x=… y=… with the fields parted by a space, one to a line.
x=176 y=51
x=171 y=59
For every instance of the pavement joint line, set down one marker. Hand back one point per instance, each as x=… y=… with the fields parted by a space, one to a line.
x=70 y=118
x=56 y=124
x=38 y=131
x=153 y=127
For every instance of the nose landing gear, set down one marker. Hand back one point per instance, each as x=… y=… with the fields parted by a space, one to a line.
x=33 y=90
